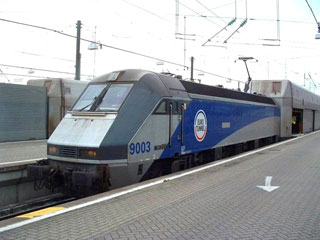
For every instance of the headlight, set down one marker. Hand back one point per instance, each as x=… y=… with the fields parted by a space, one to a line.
x=52 y=150
x=88 y=153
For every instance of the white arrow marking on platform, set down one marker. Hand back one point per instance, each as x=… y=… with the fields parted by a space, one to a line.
x=268 y=186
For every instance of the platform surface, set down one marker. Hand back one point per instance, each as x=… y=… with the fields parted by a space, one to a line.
x=19 y=151
x=220 y=202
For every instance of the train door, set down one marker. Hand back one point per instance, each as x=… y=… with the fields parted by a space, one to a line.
x=297 y=120
x=176 y=126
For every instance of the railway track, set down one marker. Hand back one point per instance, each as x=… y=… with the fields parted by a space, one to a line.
x=14 y=210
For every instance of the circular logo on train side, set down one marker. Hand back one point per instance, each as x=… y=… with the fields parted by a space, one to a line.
x=200 y=125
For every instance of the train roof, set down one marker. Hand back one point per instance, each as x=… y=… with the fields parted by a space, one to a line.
x=179 y=88
x=123 y=75
x=201 y=89
x=279 y=90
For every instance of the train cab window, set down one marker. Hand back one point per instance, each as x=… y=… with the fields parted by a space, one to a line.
x=114 y=97
x=176 y=108
x=88 y=97
x=162 y=108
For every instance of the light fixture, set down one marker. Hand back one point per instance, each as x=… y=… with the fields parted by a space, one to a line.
x=318 y=34
x=93 y=46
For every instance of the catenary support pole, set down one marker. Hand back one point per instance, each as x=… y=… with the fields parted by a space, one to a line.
x=191 y=78
x=78 y=54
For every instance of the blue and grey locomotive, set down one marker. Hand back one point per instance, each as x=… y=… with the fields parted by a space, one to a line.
x=133 y=125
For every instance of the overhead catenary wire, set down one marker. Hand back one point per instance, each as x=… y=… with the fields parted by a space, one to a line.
x=199 y=14
x=216 y=34
x=115 y=48
x=294 y=58
x=244 y=22
x=224 y=28
x=254 y=19
x=42 y=70
x=5 y=75
x=204 y=6
x=40 y=55
x=224 y=5
x=145 y=10
x=261 y=44
x=240 y=26
x=23 y=75
x=310 y=78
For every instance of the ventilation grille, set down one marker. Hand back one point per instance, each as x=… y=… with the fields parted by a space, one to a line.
x=68 y=152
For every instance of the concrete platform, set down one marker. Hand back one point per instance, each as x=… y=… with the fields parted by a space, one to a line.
x=216 y=201
x=15 y=186
x=19 y=152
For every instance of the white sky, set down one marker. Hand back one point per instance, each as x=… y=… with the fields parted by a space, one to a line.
x=148 y=27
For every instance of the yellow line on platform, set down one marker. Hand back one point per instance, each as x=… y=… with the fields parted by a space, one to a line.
x=40 y=212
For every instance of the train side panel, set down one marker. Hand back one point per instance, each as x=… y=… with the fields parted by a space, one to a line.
x=224 y=123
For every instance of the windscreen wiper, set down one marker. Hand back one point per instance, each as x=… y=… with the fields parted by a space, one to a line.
x=98 y=99
x=91 y=103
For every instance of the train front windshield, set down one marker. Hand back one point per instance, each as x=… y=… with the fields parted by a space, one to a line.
x=103 y=97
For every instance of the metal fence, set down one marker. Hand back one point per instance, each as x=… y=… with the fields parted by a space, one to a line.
x=23 y=112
